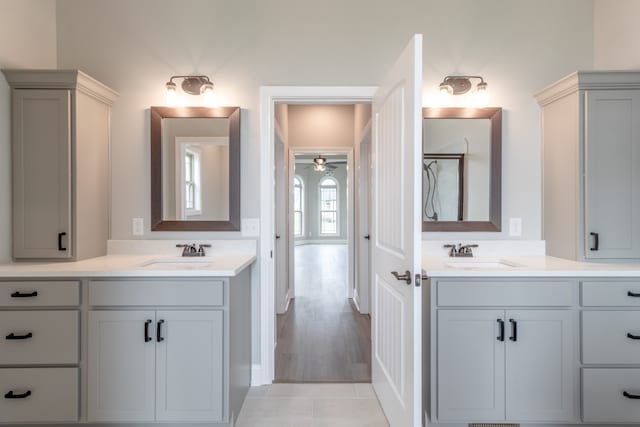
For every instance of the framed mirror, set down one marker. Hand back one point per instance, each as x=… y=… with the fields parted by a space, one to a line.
x=461 y=169
x=195 y=169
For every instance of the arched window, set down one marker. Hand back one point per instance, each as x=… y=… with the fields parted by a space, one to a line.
x=328 y=206
x=298 y=206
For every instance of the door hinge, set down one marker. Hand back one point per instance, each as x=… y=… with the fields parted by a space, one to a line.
x=271 y=254
x=419 y=279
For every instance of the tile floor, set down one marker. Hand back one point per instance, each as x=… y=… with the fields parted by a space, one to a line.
x=312 y=405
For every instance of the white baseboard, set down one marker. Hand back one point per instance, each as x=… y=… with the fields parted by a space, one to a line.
x=257 y=375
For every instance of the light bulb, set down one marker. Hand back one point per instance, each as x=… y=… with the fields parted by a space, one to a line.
x=443 y=94
x=208 y=94
x=171 y=95
x=482 y=95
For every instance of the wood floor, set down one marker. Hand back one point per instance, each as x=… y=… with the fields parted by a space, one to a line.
x=322 y=337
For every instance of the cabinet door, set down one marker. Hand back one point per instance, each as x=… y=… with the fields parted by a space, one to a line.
x=41 y=173
x=470 y=365
x=190 y=366
x=539 y=365
x=121 y=366
x=612 y=174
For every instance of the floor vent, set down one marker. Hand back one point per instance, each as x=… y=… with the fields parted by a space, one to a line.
x=493 y=425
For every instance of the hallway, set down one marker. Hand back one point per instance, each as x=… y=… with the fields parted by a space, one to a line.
x=322 y=337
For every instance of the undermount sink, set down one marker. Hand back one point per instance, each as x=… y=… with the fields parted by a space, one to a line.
x=481 y=263
x=177 y=264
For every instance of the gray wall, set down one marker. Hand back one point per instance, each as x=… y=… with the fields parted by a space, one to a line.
x=616 y=34
x=27 y=40
x=518 y=46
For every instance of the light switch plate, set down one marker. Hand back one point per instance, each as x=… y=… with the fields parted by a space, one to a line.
x=137 y=225
x=515 y=227
x=250 y=227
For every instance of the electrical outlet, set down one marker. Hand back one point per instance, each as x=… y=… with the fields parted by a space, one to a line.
x=250 y=227
x=515 y=227
x=137 y=225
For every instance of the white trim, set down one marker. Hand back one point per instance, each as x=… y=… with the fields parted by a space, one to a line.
x=300 y=242
x=269 y=95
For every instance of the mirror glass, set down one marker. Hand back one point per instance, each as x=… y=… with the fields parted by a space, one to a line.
x=461 y=169
x=195 y=169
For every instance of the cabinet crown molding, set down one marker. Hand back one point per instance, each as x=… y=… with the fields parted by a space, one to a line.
x=585 y=80
x=60 y=79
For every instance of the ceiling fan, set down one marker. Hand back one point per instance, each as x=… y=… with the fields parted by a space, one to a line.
x=320 y=164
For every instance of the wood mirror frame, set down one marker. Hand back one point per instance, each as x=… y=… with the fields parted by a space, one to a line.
x=495 y=186
x=159 y=113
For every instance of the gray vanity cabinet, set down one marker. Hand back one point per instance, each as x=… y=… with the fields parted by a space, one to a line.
x=591 y=166
x=60 y=164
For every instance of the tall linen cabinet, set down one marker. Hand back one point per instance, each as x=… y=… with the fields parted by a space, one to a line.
x=591 y=166
x=60 y=164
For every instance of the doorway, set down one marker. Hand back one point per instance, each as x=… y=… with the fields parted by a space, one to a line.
x=323 y=328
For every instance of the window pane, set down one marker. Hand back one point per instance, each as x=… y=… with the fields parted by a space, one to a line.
x=328 y=223
x=297 y=223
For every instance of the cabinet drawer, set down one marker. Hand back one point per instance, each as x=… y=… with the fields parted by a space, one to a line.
x=50 y=337
x=605 y=340
x=39 y=293
x=602 y=395
x=514 y=293
x=53 y=395
x=612 y=294
x=174 y=292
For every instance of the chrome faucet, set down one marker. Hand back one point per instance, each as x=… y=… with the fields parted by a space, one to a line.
x=461 y=250
x=191 y=251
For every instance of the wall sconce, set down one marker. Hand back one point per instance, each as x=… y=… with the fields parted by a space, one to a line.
x=459 y=85
x=319 y=164
x=193 y=85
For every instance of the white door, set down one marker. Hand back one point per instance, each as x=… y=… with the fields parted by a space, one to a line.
x=189 y=365
x=281 y=224
x=471 y=365
x=396 y=239
x=121 y=366
x=539 y=365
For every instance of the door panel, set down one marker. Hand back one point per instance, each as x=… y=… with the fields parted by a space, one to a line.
x=189 y=368
x=121 y=366
x=612 y=193
x=470 y=365
x=539 y=366
x=41 y=173
x=396 y=244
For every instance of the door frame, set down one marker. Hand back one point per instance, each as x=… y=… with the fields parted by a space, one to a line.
x=351 y=269
x=264 y=371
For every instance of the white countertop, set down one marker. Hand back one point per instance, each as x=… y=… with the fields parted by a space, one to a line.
x=133 y=265
x=527 y=266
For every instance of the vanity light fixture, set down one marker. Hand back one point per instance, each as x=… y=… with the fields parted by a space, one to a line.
x=459 y=85
x=319 y=164
x=193 y=85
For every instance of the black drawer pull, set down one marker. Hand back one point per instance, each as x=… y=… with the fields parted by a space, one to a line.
x=159 y=336
x=630 y=396
x=633 y=294
x=18 y=294
x=147 y=338
x=11 y=395
x=13 y=336
x=60 y=236
x=514 y=330
x=633 y=337
x=596 y=241
x=501 y=336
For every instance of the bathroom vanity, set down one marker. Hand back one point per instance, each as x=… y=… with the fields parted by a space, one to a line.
x=532 y=340
x=126 y=339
